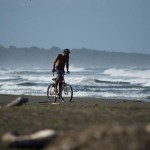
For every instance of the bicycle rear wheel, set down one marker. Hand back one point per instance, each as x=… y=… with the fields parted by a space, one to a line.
x=51 y=94
x=67 y=93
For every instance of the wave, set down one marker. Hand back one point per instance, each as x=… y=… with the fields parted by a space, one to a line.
x=24 y=71
x=36 y=71
x=72 y=68
x=111 y=82
x=7 y=79
x=94 y=82
x=134 y=73
x=27 y=84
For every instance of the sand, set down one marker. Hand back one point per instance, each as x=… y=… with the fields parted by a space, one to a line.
x=5 y=99
x=84 y=123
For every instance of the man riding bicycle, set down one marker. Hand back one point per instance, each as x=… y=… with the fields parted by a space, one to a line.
x=59 y=66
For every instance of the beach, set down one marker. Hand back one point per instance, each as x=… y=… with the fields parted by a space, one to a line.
x=84 y=123
x=5 y=99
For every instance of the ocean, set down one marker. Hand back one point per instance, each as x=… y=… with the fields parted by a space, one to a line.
x=116 y=83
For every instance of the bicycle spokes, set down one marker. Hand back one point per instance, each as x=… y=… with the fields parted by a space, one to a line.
x=67 y=93
x=51 y=93
x=66 y=90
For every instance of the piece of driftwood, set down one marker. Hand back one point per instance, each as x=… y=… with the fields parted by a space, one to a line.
x=35 y=140
x=18 y=102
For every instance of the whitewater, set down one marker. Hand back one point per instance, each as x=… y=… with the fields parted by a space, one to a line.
x=116 y=83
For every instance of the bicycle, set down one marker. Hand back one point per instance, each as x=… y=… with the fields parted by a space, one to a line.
x=65 y=91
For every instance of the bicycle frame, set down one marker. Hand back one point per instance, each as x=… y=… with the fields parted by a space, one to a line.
x=60 y=82
x=60 y=86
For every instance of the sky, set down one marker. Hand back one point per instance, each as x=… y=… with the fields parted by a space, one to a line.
x=111 y=25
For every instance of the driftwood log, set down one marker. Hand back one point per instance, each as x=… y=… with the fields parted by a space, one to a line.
x=18 y=102
x=35 y=140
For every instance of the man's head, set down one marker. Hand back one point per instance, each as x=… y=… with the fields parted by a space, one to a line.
x=66 y=51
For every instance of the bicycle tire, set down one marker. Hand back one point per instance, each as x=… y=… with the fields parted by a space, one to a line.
x=50 y=93
x=67 y=93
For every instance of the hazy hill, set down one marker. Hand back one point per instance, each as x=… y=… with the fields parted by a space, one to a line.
x=37 y=57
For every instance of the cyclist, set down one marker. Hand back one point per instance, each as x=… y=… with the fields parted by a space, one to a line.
x=60 y=62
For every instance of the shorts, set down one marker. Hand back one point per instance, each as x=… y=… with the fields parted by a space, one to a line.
x=59 y=71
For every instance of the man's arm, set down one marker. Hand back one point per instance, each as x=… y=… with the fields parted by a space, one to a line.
x=67 y=65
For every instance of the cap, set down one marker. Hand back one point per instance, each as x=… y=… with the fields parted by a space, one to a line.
x=67 y=50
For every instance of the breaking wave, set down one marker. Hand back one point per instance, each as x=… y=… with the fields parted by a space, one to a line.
x=128 y=83
x=128 y=73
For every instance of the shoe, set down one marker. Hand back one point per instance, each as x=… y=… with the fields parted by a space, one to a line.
x=62 y=100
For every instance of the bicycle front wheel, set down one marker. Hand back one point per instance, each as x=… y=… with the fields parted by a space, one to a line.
x=50 y=93
x=67 y=93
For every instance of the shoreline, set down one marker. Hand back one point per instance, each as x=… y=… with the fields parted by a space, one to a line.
x=5 y=99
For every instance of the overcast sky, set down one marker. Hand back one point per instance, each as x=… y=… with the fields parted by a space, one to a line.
x=112 y=25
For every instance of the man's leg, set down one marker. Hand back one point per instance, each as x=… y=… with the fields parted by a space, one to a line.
x=58 y=79
x=56 y=83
